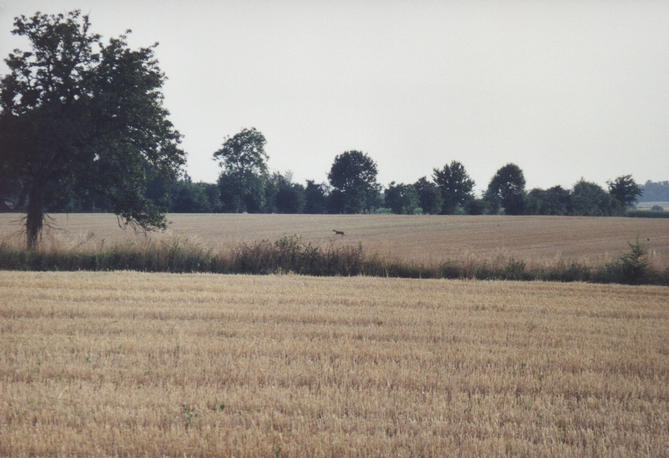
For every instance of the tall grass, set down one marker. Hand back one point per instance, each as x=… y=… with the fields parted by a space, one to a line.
x=290 y=254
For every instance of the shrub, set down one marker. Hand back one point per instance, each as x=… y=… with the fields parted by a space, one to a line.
x=634 y=265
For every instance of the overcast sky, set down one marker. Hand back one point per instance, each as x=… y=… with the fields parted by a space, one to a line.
x=565 y=89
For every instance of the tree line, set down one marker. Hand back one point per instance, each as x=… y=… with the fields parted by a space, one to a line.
x=245 y=184
x=83 y=128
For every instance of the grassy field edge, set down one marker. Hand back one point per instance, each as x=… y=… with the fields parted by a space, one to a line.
x=290 y=254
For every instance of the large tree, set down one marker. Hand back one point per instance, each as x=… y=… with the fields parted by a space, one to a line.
x=625 y=190
x=245 y=175
x=78 y=113
x=507 y=189
x=353 y=177
x=455 y=186
x=590 y=199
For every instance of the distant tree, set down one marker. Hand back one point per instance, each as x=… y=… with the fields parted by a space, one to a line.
x=476 y=206
x=336 y=202
x=244 y=177
x=213 y=194
x=657 y=208
x=401 y=198
x=316 y=200
x=189 y=197
x=507 y=189
x=353 y=177
x=271 y=188
x=625 y=190
x=429 y=196
x=455 y=186
x=241 y=193
x=552 y=201
x=590 y=199
x=655 y=191
x=289 y=197
x=76 y=113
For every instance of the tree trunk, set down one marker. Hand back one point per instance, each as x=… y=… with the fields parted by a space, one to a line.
x=34 y=218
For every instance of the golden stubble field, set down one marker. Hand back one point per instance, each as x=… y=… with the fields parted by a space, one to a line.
x=428 y=239
x=123 y=363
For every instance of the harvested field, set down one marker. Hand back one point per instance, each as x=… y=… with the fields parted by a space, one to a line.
x=149 y=364
x=420 y=238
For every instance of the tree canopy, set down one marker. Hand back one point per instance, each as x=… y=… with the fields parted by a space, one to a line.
x=590 y=199
x=401 y=198
x=455 y=186
x=244 y=177
x=552 y=201
x=315 y=197
x=429 y=196
x=625 y=190
x=507 y=189
x=77 y=113
x=353 y=177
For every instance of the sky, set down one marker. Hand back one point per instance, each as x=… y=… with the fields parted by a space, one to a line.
x=565 y=89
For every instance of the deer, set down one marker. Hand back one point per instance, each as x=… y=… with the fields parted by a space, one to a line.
x=338 y=232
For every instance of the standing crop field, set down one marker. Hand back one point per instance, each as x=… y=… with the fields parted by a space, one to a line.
x=427 y=239
x=122 y=363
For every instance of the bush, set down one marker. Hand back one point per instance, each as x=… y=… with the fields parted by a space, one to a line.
x=634 y=266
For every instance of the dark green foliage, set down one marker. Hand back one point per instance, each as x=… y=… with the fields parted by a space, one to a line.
x=625 y=190
x=336 y=202
x=455 y=186
x=589 y=199
x=81 y=115
x=353 y=177
x=429 y=196
x=553 y=201
x=401 y=198
x=315 y=198
x=288 y=197
x=634 y=266
x=241 y=193
x=213 y=196
x=507 y=190
x=243 y=181
x=476 y=206
x=631 y=268
x=244 y=153
x=189 y=197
